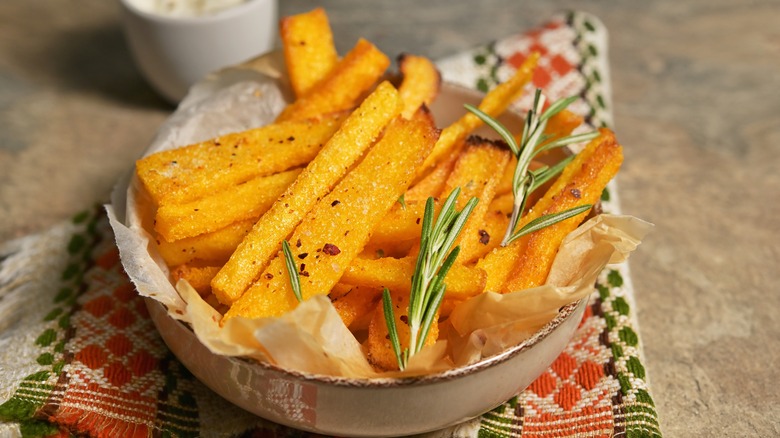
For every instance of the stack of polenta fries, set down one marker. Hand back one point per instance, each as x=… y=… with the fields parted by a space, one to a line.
x=343 y=174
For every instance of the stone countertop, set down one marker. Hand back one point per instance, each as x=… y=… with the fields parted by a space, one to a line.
x=696 y=96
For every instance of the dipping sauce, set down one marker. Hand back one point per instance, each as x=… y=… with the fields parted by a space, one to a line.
x=185 y=8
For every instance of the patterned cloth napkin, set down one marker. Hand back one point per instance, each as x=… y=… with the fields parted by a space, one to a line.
x=80 y=356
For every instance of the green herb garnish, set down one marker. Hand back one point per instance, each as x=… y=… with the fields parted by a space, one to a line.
x=525 y=181
x=433 y=262
x=292 y=270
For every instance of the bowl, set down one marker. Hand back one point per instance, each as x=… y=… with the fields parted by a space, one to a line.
x=381 y=406
x=174 y=52
x=369 y=407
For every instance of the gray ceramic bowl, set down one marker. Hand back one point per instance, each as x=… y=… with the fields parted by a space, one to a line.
x=376 y=407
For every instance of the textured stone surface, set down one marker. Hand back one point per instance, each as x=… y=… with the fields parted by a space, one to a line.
x=696 y=97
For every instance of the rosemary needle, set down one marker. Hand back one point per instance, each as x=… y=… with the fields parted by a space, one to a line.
x=292 y=270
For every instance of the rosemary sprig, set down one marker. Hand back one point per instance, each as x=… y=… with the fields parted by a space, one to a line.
x=292 y=270
x=525 y=181
x=433 y=262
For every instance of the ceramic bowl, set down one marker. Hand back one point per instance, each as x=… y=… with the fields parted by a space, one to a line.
x=173 y=53
x=376 y=407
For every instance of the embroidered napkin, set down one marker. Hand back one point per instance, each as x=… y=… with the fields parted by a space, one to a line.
x=79 y=354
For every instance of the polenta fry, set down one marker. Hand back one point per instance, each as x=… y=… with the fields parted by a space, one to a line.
x=495 y=102
x=355 y=303
x=213 y=248
x=395 y=274
x=380 y=350
x=337 y=228
x=192 y=172
x=211 y=213
x=420 y=84
x=358 y=133
x=309 y=52
x=500 y=262
x=477 y=172
x=584 y=187
x=342 y=89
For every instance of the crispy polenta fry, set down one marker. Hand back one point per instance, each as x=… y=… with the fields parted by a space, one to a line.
x=495 y=102
x=432 y=183
x=309 y=52
x=402 y=222
x=211 y=213
x=584 y=187
x=337 y=228
x=342 y=89
x=380 y=350
x=199 y=277
x=558 y=126
x=420 y=84
x=395 y=274
x=356 y=302
x=491 y=231
x=213 y=248
x=188 y=173
x=477 y=173
x=584 y=171
x=358 y=133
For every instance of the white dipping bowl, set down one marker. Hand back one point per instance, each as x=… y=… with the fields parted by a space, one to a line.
x=173 y=53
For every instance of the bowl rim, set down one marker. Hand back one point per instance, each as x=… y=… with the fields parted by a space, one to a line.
x=231 y=12
x=564 y=313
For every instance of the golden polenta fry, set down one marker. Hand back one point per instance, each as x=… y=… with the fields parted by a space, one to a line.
x=500 y=262
x=584 y=187
x=342 y=89
x=309 y=52
x=358 y=301
x=188 y=173
x=380 y=350
x=395 y=274
x=213 y=248
x=402 y=222
x=199 y=277
x=337 y=228
x=495 y=102
x=420 y=84
x=477 y=172
x=432 y=183
x=211 y=213
x=346 y=146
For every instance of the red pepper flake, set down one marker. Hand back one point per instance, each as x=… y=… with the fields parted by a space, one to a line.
x=304 y=273
x=298 y=243
x=331 y=249
x=269 y=276
x=303 y=255
x=576 y=192
x=291 y=138
x=335 y=203
x=484 y=237
x=303 y=267
x=404 y=319
x=418 y=221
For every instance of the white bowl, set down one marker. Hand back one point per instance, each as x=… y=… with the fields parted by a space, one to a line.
x=173 y=53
